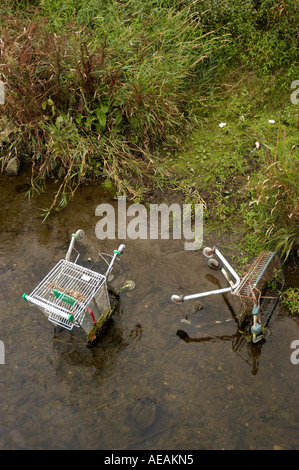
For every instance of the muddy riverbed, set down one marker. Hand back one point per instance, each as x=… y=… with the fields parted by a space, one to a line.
x=164 y=376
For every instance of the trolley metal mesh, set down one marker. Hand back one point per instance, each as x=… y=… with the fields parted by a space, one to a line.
x=261 y=286
x=67 y=291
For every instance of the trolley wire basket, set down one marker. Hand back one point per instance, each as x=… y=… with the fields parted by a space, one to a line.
x=259 y=288
x=72 y=295
x=254 y=296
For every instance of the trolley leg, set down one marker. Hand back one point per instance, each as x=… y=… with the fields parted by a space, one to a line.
x=256 y=328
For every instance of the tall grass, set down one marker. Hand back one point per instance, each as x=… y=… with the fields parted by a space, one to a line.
x=273 y=218
x=91 y=89
x=264 y=34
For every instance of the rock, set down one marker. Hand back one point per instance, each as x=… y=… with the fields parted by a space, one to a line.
x=187 y=322
x=143 y=412
x=13 y=167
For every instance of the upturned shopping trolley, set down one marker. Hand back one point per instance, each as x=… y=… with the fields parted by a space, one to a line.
x=254 y=296
x=71 y=295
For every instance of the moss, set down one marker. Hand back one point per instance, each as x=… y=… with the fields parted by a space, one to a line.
x=101 y=325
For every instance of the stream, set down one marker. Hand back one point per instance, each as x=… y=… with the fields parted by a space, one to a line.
x=164 y=376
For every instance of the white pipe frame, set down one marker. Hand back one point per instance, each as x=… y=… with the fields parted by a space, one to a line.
x=182 y=298
x=48 y=308
x=121 y=249
x=75 y=236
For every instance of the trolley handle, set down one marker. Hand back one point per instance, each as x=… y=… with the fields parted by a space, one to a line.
x=209 y=253
x=120 y=251
x=49 y=308
x=75 y=236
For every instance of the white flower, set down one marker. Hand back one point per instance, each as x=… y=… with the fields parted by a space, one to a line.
x=271 y=121
x=222 y=124
x=257 y=145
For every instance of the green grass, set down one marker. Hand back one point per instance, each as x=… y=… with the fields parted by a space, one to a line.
x=228 y=166
x=134 y=91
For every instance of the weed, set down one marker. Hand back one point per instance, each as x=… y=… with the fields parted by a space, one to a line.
x=290 y=299
x=94 y=97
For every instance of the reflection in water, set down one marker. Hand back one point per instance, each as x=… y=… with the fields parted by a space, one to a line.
x=185 y=337
x=212 y=279
x=71 y=346
x=246 y=350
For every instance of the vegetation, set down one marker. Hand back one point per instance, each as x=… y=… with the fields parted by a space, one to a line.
x=290 y=299
x=274 y=214
x=93 y=89
x=134 y=91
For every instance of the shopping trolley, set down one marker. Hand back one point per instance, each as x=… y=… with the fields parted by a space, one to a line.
x=254 y=296
x=72 y=295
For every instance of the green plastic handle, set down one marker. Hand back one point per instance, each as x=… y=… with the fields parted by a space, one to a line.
x=64 y=297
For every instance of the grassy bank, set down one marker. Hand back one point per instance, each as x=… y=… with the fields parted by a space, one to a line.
x=134 y=92
x=94 y=89
x=244 y=163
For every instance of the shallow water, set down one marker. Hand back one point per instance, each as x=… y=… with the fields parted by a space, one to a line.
x=156 y=380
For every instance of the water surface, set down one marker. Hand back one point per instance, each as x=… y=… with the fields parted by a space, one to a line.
x=164 y=376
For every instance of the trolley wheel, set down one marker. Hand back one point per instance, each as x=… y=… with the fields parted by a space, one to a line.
x=213 y=263
x=208 y=252
x=79 y=234
x=129 y=285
